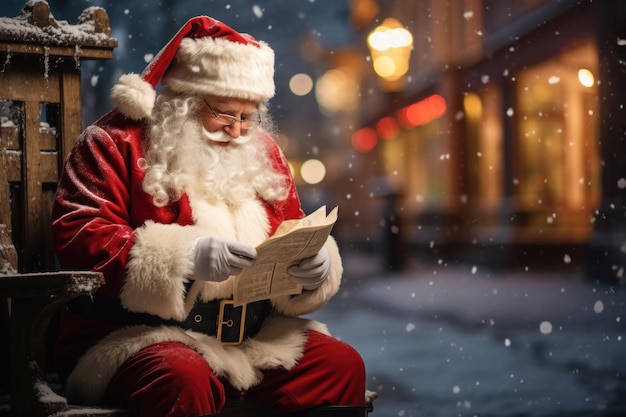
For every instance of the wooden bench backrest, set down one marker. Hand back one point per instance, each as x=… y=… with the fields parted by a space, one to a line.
x=33 y=146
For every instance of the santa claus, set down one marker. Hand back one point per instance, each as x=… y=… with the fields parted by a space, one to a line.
x=168 y=195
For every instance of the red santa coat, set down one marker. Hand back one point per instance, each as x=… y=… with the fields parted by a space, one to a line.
x=102 y=220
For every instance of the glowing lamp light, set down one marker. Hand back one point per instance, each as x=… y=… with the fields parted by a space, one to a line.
x=389 y=36
x=390 y=46
x=337 y=90
x=301 y=84
x=387 y=127
x=313 y=171
x=473 y=106
x=422 y=112
x=364 y=140
x=585 y=77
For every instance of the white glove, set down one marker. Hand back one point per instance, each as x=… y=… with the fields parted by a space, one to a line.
x=313 y=271
x=215 y=259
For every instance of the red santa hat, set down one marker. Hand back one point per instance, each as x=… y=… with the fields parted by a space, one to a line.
x=205 y=57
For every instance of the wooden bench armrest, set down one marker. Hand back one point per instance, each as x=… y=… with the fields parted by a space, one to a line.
x=34 y=300
x=50 y=284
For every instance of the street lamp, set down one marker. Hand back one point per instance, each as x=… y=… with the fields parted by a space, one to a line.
x=390 y=46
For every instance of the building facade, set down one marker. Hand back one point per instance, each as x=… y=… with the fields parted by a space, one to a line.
x=504 y=143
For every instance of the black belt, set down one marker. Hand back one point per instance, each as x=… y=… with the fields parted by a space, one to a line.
x=229 y=323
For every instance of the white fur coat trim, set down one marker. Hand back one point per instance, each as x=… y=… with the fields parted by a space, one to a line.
x=158 y=264
x=279 y=344
x=160 y=261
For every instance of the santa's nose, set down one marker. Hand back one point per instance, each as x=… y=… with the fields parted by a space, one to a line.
x=234 y=129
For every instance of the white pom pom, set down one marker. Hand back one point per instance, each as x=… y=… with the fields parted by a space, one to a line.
x=133 y=96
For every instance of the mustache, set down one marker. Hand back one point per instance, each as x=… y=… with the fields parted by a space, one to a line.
x=222 y=137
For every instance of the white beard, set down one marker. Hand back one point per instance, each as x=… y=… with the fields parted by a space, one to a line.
x=217 y=168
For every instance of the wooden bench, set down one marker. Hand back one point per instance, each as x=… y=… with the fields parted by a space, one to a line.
x=31 y=301
x=40 y=118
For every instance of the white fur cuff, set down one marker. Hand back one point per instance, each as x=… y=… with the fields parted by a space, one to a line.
x=157 y=268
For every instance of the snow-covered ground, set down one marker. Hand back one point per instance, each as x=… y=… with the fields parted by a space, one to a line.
x=456 y=341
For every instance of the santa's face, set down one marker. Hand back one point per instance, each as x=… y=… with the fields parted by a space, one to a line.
x=224 y=119
x=217 y=156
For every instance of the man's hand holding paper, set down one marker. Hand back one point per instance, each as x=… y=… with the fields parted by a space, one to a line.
x=311 y=272
x=216 y=259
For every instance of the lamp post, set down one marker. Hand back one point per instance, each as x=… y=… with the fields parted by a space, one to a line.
x=390 y=46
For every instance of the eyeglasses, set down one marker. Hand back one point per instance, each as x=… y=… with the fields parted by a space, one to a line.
x=247 y=122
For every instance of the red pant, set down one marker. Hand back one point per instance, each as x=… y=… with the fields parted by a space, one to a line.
x=170 y=379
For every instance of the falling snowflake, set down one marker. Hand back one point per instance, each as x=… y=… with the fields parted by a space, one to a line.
x=598 y=307
x=545 y=327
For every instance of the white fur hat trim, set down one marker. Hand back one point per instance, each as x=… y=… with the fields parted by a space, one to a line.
x=220 y=67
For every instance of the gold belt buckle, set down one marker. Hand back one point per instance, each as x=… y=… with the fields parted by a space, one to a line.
x=224 y=304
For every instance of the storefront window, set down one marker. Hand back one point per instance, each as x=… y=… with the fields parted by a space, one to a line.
x=556 y=140
x=484 y=148
x=417 y=163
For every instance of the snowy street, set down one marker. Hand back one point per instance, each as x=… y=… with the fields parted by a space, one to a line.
x=448 y=341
